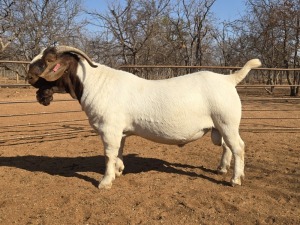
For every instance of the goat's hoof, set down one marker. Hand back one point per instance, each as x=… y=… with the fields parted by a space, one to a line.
x=118 y=173
x=119 y=167
x=119 y=170
x=235 y=182
x=221 y=170
x=105 y=184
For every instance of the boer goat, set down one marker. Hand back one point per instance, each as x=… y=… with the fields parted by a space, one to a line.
x=118 y=104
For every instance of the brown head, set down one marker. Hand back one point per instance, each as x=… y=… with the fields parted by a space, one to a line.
x=54 y=71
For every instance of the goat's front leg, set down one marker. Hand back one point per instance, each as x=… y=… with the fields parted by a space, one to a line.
x=112 y=144
x=119 y=163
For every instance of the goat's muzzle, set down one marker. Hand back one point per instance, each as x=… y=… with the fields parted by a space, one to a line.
x=44 y=96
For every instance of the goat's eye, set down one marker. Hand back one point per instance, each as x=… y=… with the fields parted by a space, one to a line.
x=42 y=67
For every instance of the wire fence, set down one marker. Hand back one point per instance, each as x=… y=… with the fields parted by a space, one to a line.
x=262 y=112
x=279 y=117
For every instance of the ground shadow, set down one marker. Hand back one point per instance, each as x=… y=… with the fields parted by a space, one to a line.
x=72 y=166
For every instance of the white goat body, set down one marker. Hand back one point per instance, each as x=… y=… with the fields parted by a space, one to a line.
x=172 y=111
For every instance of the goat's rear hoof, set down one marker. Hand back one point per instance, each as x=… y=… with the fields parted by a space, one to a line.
x=221 y=172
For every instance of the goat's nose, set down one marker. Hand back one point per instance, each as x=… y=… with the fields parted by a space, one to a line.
x=30 y=77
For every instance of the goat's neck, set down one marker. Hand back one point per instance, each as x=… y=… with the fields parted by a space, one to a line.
x=94 y=82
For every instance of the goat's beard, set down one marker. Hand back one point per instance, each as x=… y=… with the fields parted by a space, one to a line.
x=44 y=96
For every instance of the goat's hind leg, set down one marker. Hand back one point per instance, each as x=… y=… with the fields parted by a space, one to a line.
x=217 y=139
x=237 y=146
x=225 y=160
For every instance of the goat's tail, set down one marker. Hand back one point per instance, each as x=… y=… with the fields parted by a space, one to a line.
x=238 y=76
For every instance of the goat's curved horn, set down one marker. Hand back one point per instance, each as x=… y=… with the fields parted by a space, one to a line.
x=63 y=48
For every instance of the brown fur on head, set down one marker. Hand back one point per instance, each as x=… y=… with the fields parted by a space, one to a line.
x=54 y=72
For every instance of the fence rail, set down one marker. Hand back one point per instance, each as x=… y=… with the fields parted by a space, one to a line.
x=201 y=67
x=145 y=69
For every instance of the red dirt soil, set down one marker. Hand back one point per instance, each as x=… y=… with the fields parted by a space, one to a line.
x=53 y=179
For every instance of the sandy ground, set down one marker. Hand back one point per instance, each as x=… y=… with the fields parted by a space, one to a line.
x=53 y=179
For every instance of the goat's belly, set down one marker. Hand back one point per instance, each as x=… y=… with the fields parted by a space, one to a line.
x=165 y=138
x=177 y=135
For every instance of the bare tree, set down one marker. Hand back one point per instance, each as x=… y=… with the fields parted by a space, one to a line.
x=160 y=32
x=129 y=27
x=278 y=27
x=6 y=36
x=32 y=24
x=194 y=26
x=27 y=26
x=270 y=30
x=225 y=45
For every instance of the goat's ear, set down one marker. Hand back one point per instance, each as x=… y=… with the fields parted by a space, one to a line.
x=54 y=70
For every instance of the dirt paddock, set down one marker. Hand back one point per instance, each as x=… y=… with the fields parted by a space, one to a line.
x=53 y=178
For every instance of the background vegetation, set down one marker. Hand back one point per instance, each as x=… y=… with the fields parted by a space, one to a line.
x=155 y=32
